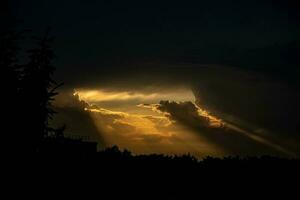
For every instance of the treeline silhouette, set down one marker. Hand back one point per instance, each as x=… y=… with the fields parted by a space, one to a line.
x=29 y=92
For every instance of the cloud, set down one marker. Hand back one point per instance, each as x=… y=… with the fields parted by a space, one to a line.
x=260 y=105
x=253 y=101
x=261 y=101
x=231 y=138
x=139 y=133
x=147 y=95
x=185 y=112
x=136 y=132
x=71 y=112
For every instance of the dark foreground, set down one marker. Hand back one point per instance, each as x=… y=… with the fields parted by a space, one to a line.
x=114 y=173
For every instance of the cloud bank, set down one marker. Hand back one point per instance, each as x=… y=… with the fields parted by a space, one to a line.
x=140 y=133
x=231 y=138
x=169 y=127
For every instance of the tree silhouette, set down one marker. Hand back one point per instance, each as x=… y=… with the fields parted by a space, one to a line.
x=8 y=53
x=38 y=91
x=10 y=75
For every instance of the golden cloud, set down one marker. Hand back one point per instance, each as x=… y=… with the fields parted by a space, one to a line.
x=180 y=94
x=149 y=134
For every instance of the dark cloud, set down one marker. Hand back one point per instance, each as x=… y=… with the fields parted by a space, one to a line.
x=233 y=140
x=252 y=100
x=94 y=35
x=79 y=123
x=184 y=112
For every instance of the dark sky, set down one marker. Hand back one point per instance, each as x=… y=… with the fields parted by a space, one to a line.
x=261 y=35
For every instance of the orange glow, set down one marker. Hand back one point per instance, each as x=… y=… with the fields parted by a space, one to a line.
x=143 y=129
x=149 y=97
x=131 y=120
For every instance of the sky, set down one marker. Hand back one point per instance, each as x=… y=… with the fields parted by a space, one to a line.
x=206 y=77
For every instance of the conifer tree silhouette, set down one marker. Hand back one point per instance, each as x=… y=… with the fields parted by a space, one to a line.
x=10 y=76
x=38 y=91
x=8 y=53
